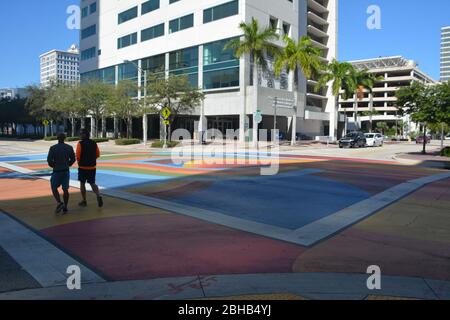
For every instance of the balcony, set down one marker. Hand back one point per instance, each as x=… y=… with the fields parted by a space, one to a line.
x=317 y=32
x=319 y=45
x=317 y=7
x=316 y=19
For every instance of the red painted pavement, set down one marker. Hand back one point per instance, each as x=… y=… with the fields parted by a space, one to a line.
x=157 y=246
x=354 y=250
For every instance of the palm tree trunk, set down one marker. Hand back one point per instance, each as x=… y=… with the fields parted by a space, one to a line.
x=371 y=113
x=355 y=113
x=294 y=118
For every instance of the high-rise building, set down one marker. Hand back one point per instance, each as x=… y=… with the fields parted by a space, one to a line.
x=188 y=37
x=445 y=54
x=381 y=105
x=60 y=66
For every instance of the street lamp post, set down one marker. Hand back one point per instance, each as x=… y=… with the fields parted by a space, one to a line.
x=144 y=117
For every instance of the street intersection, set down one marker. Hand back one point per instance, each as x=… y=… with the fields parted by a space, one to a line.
x=169 y=231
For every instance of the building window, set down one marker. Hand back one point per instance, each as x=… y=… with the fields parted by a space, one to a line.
x=149 y=6
x=89 y=31
x=128 y=71
x=153 y=32
x=84 y=12
x=185 y=62
x=88 y=53
x=181 y=23
x=127 y=40
x=93 y=8
x=221 y=68
x=128 y=15
x=219 y=12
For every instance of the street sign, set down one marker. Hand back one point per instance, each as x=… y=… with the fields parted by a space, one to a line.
x=45 y=122
x=166 y=113
x=258 y=117
x=166 y=122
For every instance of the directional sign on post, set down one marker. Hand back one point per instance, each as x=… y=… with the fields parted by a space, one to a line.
x=166 y=113
x=45 y=122
x=166 y=122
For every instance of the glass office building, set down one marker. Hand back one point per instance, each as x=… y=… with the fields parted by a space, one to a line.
x=445 y=54
x=188 y=38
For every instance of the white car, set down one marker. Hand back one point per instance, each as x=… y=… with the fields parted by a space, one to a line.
x=447 y=137
x=374 y=140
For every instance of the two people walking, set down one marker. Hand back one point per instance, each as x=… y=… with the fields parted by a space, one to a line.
x=61 y=157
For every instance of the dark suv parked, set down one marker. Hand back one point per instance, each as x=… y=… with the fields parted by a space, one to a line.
x=353 y=140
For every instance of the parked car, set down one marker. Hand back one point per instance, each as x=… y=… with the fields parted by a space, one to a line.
x=374 y=140
x=419 y=139
x=447 y=137
x=353 y=140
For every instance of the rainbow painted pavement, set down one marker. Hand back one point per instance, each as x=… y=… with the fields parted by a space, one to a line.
x=317 y=216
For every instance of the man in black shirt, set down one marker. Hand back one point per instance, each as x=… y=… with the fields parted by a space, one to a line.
x=61 y=157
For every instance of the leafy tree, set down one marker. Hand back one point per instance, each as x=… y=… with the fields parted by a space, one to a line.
x=175 y=93
x=122 y=103
x=67 y=100
x=13 y=112
x=93 y=97
x=383 y=127
x=256 y=43
x=421 y=102
x=370 y=114
x=442 y=93
x=37 y=106
x=360 y=81
x=301 y=55
x=340 y=74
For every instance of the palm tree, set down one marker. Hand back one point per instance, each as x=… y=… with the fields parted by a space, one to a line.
x=298 y=55
x=257 y=43
x=340 y=74
x=361 y=81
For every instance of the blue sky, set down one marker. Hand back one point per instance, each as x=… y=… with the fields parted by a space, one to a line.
x=410 y=28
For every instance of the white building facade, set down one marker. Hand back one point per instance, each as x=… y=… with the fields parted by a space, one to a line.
x=188 y=37
x=12 y=93
x=381 y=105
x=445 y=54
x=60 y=67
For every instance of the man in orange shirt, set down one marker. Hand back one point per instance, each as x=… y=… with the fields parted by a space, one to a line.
x=87 y=155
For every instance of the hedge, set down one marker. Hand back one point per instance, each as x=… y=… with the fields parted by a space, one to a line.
x=22 y=137
x=445 y=152
x=51 y=138
x=127 y=142
x=160 y=144
x=72 y=139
